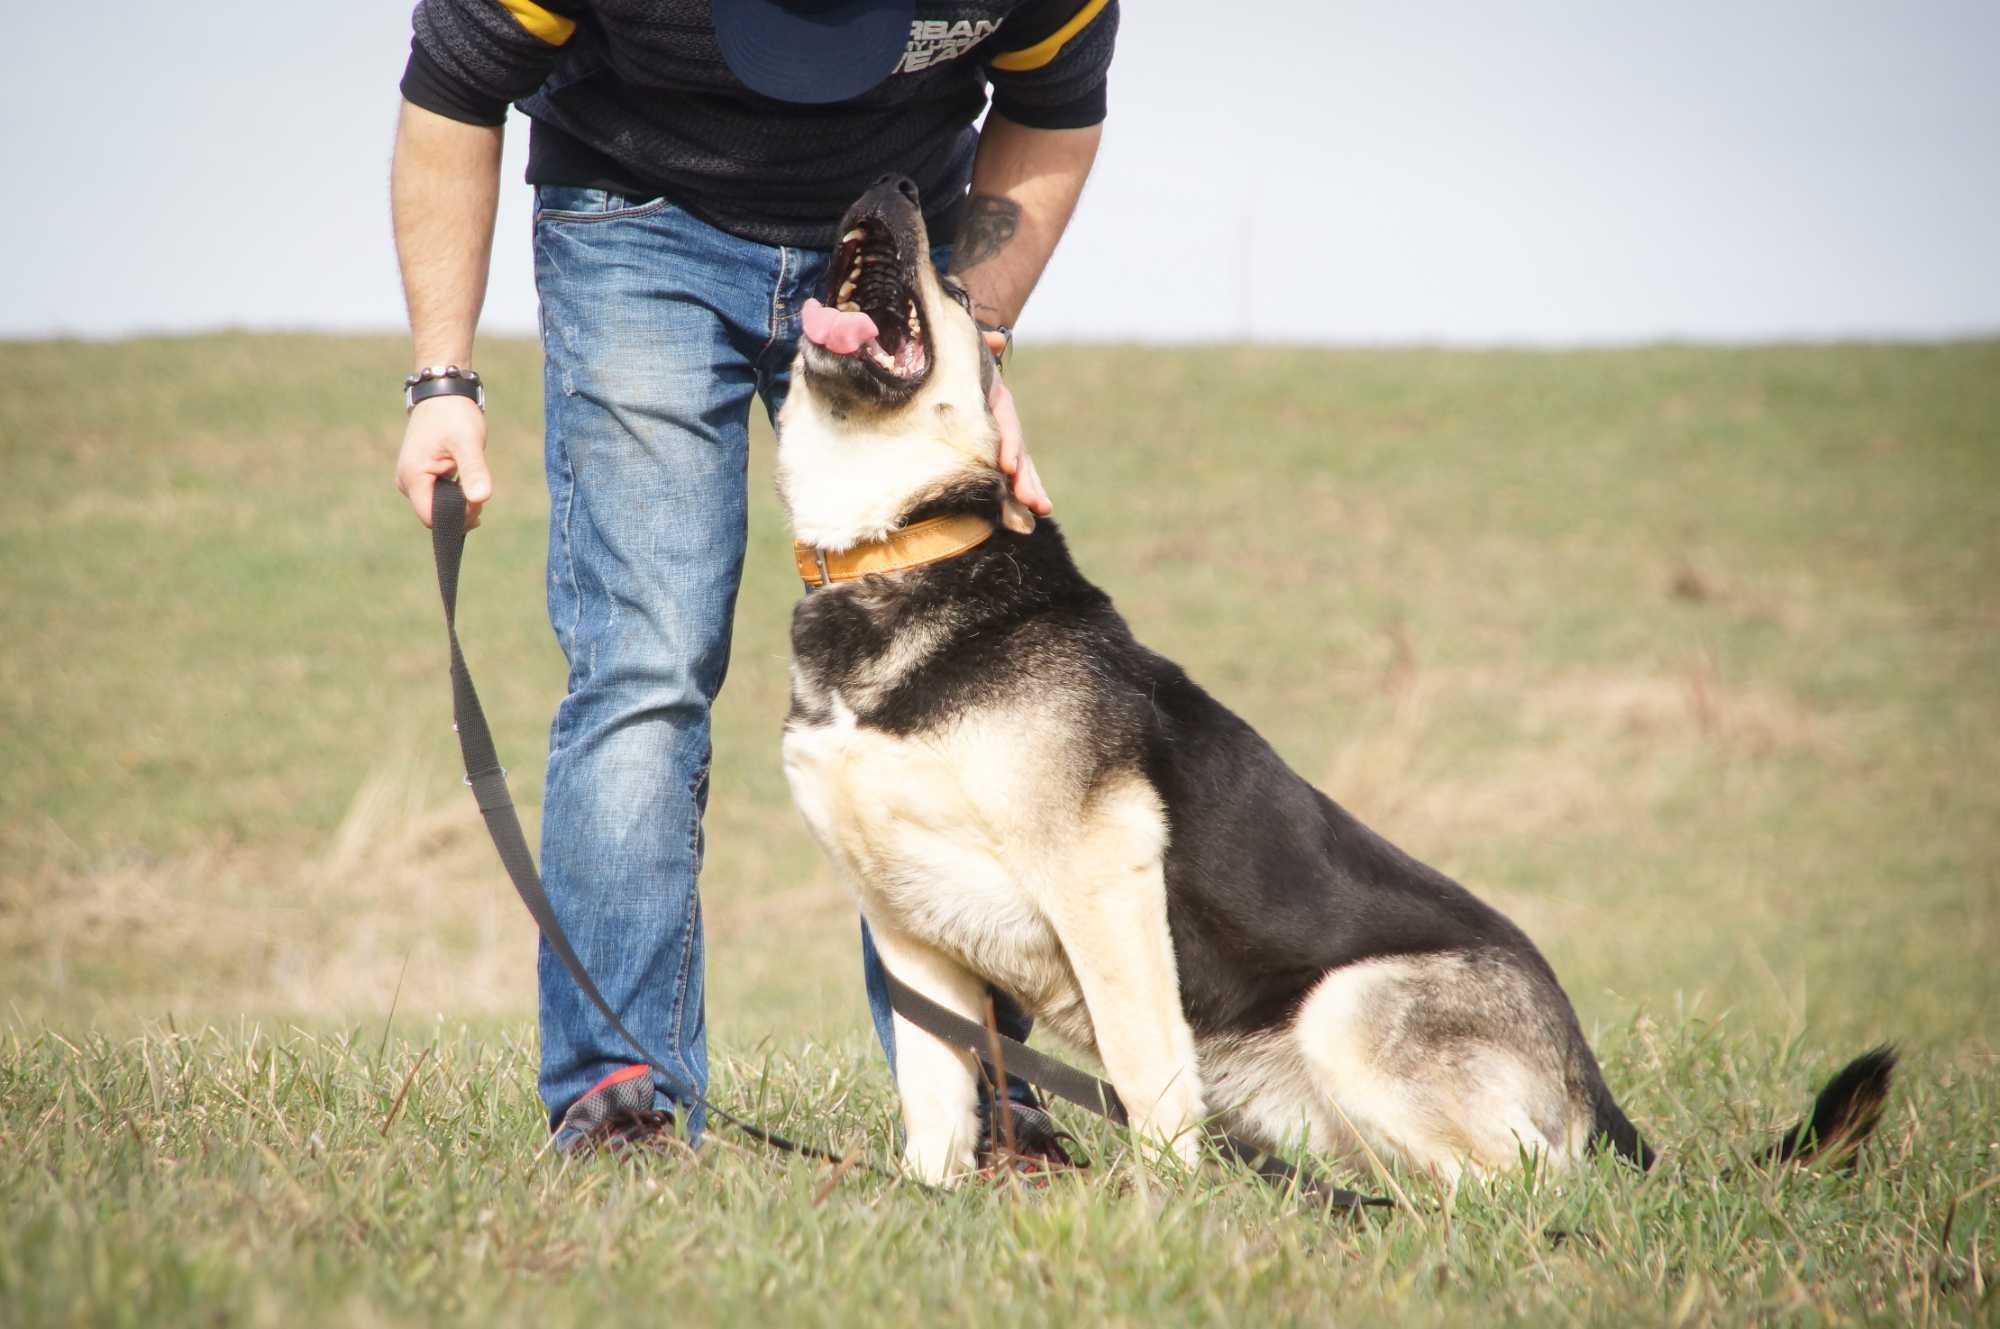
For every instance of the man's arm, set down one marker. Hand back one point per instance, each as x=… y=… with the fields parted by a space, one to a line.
x=1025 y=184
x=468 y=60
x=443 y=189
x=1048 y=65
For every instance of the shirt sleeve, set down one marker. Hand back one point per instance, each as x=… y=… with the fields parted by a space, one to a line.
x=470 y=59
x=1050 y=60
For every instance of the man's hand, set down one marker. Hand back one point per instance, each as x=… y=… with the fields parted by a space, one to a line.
x=1014 y=459
x=1025 y=184
x=447 y=436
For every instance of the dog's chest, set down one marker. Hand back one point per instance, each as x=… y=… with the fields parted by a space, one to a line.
x=937 y=832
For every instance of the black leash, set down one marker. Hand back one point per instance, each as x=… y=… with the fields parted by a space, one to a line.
x=489 y=787
x=496 y=805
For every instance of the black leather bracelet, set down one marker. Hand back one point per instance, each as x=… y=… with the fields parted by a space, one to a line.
x=445 y=381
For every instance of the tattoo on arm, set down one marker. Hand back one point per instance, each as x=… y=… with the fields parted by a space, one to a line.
x=985 y=229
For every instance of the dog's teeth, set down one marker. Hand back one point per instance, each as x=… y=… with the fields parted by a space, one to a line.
x=916 y=325
x=846 y=289
x=857 y=234
x=849 y=307
x=883 y=358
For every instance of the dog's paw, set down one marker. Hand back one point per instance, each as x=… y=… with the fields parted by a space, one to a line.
x=944 y=1162
x=1173 y=1143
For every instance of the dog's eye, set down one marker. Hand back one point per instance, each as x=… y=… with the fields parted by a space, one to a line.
x=957 y=292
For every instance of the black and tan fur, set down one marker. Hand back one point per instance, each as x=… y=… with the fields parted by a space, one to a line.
x=1023 y=795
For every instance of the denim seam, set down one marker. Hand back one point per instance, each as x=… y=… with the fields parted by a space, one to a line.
x=560 y=440
x=777 y=300
x=693 y=929
x=569 y=544
x=697 y=797
x=610 y=214
x=679 y=1009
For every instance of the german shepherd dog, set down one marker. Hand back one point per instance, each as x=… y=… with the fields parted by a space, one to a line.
x=1023 y=796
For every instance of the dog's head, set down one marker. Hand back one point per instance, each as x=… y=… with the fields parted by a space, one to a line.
x=887 y=410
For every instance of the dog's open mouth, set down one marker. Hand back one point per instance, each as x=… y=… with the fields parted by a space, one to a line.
x=872 y=314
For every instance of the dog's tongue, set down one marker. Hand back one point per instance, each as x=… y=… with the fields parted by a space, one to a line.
x=843 y=334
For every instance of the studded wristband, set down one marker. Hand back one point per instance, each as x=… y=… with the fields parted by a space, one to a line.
x=443 y=381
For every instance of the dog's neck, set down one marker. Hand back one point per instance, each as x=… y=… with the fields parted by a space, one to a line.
x=852 y=479
x=919 y=544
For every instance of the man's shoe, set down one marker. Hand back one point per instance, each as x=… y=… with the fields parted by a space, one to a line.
x=1037 y=1146
x=616 y=1115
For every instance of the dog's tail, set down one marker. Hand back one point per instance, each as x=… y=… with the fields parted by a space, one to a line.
x=1843 y=1116
x=1613 y=1127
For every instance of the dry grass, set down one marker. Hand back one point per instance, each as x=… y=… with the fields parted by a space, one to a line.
x=1623 y=640
x=402 y=896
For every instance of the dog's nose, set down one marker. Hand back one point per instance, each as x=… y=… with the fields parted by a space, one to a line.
x=903 y=184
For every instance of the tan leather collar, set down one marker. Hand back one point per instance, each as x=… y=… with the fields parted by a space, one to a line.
x=926 y=542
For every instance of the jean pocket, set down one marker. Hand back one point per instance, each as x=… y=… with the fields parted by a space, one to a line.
x=576 y=203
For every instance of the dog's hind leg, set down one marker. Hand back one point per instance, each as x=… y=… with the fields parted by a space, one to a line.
x=1447 y=1063
x=936 y=1083
x=1109 y=910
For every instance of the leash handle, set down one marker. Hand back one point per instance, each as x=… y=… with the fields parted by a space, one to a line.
x=489 y=787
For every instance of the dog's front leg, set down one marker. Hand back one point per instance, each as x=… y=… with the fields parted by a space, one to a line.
x=1111 y=917
x=936 y=1082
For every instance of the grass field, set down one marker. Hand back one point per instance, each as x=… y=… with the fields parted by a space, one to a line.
x=1689 y=658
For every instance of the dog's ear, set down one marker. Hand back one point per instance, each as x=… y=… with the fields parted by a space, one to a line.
x=1015 y=516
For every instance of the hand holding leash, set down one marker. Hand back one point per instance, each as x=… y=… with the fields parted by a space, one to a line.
x=445 y=435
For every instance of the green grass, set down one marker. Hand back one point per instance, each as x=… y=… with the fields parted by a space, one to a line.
x=237 y=1177
x=1689 y=658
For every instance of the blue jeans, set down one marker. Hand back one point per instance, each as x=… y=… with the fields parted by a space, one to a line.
x=657 y=329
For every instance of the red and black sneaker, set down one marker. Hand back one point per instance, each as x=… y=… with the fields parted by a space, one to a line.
x=1037 y=1146
x=615 y=1115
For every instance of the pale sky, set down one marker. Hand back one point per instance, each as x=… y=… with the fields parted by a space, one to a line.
x=1309 y=170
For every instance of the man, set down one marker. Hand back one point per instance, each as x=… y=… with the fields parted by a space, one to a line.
x=691 y=159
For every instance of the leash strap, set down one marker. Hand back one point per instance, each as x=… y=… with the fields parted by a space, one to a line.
x=496 y=805
x=1094 y=1095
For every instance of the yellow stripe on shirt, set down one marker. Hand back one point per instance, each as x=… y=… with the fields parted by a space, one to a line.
x=538 y=22
x=1047 y=49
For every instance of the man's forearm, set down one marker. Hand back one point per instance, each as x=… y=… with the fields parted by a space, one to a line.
x=1025 y=183
x=443 y=188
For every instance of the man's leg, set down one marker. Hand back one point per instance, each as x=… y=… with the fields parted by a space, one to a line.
x=647 y=379
x=805 y=274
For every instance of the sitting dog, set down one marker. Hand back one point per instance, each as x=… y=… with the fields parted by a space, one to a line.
x=1024 y=796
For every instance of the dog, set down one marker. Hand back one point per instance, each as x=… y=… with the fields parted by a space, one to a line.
x=1023 y=796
